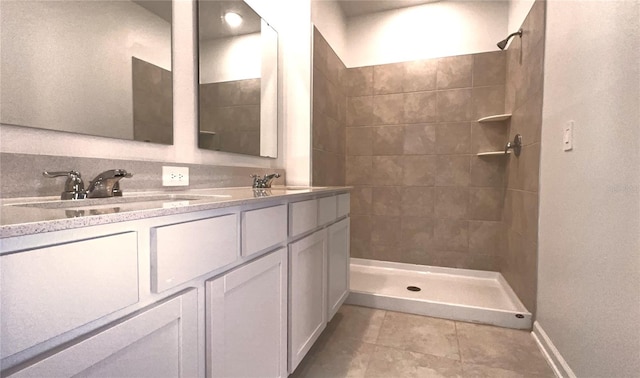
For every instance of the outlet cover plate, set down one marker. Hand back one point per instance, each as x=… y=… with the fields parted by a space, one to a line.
x=175 y=176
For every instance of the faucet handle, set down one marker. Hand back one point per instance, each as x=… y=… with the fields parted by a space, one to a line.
x=73 y=187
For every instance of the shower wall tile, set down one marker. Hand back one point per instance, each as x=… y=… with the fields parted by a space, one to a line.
x=420 y=107
x=418 y=201
x=359 y=141
x=419 y=139
x=453 y=170
x=420 y=75
x=411 y=141
x=489 y=68
x=455 y=72
x=388 y=140
x=388 y=78
x=453 y=138
x=388 y=109
x=455 y=105
x=359 y=81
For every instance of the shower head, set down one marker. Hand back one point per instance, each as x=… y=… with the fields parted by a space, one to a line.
x=502 y=44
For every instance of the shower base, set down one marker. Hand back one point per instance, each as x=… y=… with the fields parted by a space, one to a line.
x=457 y=294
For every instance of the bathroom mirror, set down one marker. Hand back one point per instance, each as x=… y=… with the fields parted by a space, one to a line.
x=238 y=80
x=97 y=67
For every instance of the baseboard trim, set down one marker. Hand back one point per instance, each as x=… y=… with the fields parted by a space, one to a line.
x=560 y=367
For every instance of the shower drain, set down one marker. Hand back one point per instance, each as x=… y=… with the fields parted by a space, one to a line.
x=413 y=288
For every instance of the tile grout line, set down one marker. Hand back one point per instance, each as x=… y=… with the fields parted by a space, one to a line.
x=375 y=344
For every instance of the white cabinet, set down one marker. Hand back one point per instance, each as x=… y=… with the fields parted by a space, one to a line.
x=247 y=320
x=338 y=282
x=308 y=294
x=158 y=342
x=49 y=290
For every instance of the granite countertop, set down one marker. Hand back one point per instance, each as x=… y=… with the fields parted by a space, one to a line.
x=26 y=216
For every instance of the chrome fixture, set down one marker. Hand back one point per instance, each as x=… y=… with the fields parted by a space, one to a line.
x=502 y=44
x=264 y=182
x=106 y=184
x=73 y=187
x=516 y=145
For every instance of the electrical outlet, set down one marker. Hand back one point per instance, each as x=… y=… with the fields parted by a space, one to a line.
x=175 y=176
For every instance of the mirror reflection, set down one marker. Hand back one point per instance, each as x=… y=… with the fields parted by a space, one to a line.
x=97 y=67
x=237 y=79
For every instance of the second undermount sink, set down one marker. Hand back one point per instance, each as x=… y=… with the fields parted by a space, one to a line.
x=96 y=203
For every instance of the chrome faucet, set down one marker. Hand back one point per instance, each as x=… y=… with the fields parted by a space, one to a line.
x=264 y=182
x=106 y=184
x=73 y=187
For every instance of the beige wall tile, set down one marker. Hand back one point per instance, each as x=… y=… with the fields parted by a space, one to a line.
x=451 y=203
x=385 y=230
x=455 y=105
x=486 y=238
x=452 y=170
x=387 y=170
x=489 y=68
x=388 y=109
x=451 y=235
x=453 y=138
x=416 y=233
x=388 y=140
x=492 y=136
x=387 y=200
x=455 y=72
x=388 y=78
x=359 y=111
x=359 y=170
x=487 y=101
x=361 y=200
x=360 y=236
x=359 y=141
x=488 y=171
x=359 y=81
x=419 y=139
x=486 y=203
x=418 y=201
x=420 y=107
x=418 y=170
x=420 y=75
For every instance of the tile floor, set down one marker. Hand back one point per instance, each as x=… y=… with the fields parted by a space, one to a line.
x=364 y=342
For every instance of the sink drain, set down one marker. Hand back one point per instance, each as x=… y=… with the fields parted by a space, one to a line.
x=413 y=288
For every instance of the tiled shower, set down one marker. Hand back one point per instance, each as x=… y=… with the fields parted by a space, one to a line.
x=405 y=136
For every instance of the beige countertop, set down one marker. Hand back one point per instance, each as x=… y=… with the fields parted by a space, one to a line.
x=26 y=216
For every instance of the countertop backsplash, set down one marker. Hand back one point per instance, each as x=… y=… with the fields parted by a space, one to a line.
x=21 y=174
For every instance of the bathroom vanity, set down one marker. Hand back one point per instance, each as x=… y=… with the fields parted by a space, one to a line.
x=219 y=282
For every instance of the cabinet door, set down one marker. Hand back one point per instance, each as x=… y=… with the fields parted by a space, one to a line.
x=158 y=342
x=338 y=283
x=308 y=294
x=247 y=320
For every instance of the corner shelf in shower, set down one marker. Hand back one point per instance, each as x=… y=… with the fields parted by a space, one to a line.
x=495 y=118
x=493 y=153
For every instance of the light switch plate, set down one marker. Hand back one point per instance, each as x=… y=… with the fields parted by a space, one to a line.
x=567 y=137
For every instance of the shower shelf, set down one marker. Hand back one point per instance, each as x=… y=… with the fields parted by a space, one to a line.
x=495 y=118
x=493 y=153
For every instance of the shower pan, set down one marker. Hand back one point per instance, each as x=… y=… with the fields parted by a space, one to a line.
x=456 y=294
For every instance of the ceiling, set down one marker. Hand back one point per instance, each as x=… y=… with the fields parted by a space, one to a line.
x=212 y=26
x=353 y=8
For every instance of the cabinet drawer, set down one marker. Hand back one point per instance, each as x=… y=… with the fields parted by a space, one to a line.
x=263 y=228
x=184 y=251
x=54 y=289
x=303 y=217
x=344 y=204
x=327 y=210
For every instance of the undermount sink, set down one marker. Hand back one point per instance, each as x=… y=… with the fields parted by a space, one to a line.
x=101 y=203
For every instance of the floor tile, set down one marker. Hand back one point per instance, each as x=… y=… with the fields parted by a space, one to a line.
x=419 y=334
x=355 y=322
x=335 y=358
x=503 y=348
x=390 y=362
x=481 y=371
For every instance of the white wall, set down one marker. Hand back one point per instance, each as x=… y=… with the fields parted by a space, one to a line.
x=230 y=59
x=518 y=11
x=68 y=66
x=589 y=240
x=291 y=19
x=327 y=16
x=426 y=31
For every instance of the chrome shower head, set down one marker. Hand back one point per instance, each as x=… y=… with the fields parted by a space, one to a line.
x=502 y=44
